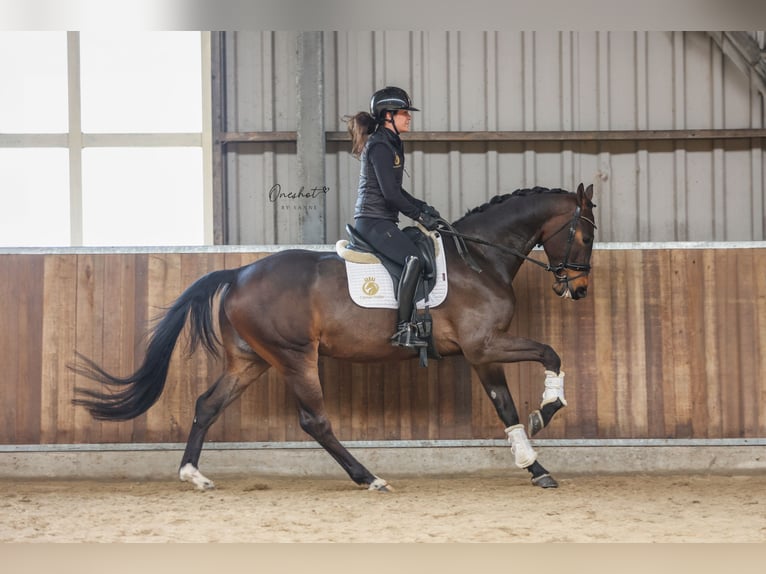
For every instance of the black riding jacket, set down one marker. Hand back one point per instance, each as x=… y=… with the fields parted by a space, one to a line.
x=381 y=195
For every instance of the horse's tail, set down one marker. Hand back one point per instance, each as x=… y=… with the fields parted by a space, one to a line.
x=133 y=395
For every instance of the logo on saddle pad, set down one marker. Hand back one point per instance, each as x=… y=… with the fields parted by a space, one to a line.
x=370 y=287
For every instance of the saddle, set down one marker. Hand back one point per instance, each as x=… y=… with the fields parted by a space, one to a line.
x=425 y=244
x=360 y=251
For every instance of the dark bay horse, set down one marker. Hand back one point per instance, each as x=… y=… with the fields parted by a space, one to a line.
x=288 y=309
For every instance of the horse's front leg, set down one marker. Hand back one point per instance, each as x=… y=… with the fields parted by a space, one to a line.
x=503 y=348
x=493 y=380
x=553 y=400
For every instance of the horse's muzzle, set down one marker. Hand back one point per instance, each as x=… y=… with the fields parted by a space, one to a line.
x=564 y=288
x=580 y=292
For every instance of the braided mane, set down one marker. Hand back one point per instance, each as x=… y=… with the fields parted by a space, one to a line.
x=518 y=193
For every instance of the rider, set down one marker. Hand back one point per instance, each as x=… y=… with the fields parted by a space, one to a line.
x=381 y=197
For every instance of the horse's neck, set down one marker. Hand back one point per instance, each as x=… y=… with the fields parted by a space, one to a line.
x=517 y=225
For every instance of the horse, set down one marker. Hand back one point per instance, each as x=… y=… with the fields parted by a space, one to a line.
x=288 y=309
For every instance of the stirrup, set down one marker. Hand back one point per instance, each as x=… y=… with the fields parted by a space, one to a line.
x=406 y=336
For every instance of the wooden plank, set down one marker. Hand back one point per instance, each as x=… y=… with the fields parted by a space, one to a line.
x=392 y=412
x=747 y=349
x=621 y=353
x=759 y=358
x=58 y=343
x=30 y=323
x=12 y=269
x=696 y=344
x=603 y=289
x=678 y=315
x=360 y=391
x=405 y=393
x=21 y=341
x=425 y=392
x=729 y=375
x=89 y=336
x=635 y=363
x=416 y=414
x=9 y=346
x=711 y=330
x=656 y=325
x=374 y=429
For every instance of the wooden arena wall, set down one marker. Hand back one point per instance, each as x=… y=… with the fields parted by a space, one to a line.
x=669 y=343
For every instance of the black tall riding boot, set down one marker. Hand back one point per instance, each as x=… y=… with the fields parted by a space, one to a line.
x=406 y=332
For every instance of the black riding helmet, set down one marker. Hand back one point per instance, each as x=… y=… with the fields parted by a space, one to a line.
x=388 y=99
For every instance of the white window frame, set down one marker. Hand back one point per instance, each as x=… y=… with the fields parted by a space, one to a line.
x=75 y=141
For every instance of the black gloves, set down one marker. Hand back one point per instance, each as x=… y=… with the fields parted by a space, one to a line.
x=429 y=217
x=428 y=221
x=432 y=211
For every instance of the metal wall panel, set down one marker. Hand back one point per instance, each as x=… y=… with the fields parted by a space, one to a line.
x=649 y=190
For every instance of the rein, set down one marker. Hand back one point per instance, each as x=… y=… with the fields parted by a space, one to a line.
x=460 y=239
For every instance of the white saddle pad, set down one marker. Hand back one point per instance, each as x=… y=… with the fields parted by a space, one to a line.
x=370 y=285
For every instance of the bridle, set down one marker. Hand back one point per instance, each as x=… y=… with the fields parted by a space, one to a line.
x=583 y=268
x=557 y=270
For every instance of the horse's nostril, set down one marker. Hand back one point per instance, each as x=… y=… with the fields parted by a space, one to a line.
x=581 y=292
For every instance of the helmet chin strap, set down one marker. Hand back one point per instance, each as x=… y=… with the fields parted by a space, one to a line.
x=392 y=122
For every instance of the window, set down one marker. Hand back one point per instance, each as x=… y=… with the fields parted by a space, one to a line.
x=104 y=139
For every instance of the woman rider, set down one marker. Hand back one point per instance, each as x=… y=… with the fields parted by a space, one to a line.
x=381 y=198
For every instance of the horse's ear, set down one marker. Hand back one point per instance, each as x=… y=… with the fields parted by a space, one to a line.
x=584 y=196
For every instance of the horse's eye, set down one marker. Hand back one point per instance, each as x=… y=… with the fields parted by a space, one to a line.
x=587 y=240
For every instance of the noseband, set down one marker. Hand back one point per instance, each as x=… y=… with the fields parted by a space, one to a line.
x=557 y=270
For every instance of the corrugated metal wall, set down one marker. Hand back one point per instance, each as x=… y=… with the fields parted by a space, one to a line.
x=649 y=190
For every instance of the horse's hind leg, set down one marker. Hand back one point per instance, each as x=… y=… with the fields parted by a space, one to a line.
x=493 y=380
x=304 y=382
x=240 y=373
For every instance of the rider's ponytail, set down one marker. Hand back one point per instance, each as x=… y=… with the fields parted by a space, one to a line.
x=360 y=126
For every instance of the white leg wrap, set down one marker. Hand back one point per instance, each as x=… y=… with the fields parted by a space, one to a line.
x=554 y=388
x=520 y=446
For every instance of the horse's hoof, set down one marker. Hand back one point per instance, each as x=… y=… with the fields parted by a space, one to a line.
x=536 y=423
x=189 y=473
x=380 y=485
x=545 y=481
